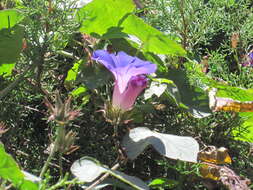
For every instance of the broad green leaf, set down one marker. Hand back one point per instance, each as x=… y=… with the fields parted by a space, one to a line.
x=198 y=78
x=88 y=169
x=6 y=69
x=94 y=76
x=79 y=91
x=72 y=73
x=226 y=98
x=171 y=146
x=108 y=19
x=10 y=171
x=244 y=132
x=152 y=39
x=100 y=15
x=10 y=44
x=10 y=18
x=194 y=97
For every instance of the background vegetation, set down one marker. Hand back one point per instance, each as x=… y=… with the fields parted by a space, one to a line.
x=55 y=56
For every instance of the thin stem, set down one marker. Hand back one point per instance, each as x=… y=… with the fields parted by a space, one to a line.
x=60 y=164
x=63 y=182
x=102 y=178
x=52 y=152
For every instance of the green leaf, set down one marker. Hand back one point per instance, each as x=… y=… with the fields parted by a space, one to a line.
x=10 y=44
x=10 y=18
x=171 y=146
x=72 y=73
x=194 y=97
x=94 y=76
x=79 y=91
x=153 y=40
x=244 y=132
x=163 y=183
x=10 y=171
x=6 y=69
x=100 y=15
x=109 y=19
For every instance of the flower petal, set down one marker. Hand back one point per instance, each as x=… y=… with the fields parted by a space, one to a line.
x=105 y=58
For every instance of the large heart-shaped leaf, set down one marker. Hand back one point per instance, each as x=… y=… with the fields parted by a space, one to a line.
x=171 y=146
x=9 y=170
x=109 y=19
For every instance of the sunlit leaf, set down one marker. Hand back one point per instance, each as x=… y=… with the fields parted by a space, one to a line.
x=100 y=15
x=6 y=69
x=244 y=132
x=72 y=73
x=109 y=19
x=171 y=146
x=10 y=171
x=155 y=88
x=213 y=155
x=228 y=104
x=31 y=177
x=209 y=171
x=88 y=169
x=152 y=39
x=9 y=18
x=163 y=183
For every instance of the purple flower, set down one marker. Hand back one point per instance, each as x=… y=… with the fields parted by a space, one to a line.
x=128 y=73
x=249 y=60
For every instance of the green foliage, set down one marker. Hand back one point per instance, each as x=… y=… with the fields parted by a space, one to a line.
x=9 y=170
x=10 y=18
x=11 y=36
x=58 y=58
x=118 y=24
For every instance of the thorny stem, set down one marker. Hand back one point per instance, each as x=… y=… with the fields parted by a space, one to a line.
x=102 y=178
x=53 y=151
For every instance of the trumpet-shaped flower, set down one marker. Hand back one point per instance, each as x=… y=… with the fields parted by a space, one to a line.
x=129 y=76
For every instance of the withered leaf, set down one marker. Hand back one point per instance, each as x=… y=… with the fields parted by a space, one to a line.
x=228 y=104
x=224 y=175
x=213 y=155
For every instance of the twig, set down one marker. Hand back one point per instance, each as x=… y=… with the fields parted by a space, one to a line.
x=102 y=178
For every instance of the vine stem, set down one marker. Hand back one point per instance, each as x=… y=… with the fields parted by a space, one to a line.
x=102 y=178
x=53 y=151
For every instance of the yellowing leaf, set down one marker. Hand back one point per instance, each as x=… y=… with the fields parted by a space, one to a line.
x=208 y=171
x=228 y=104
x=213 y=155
